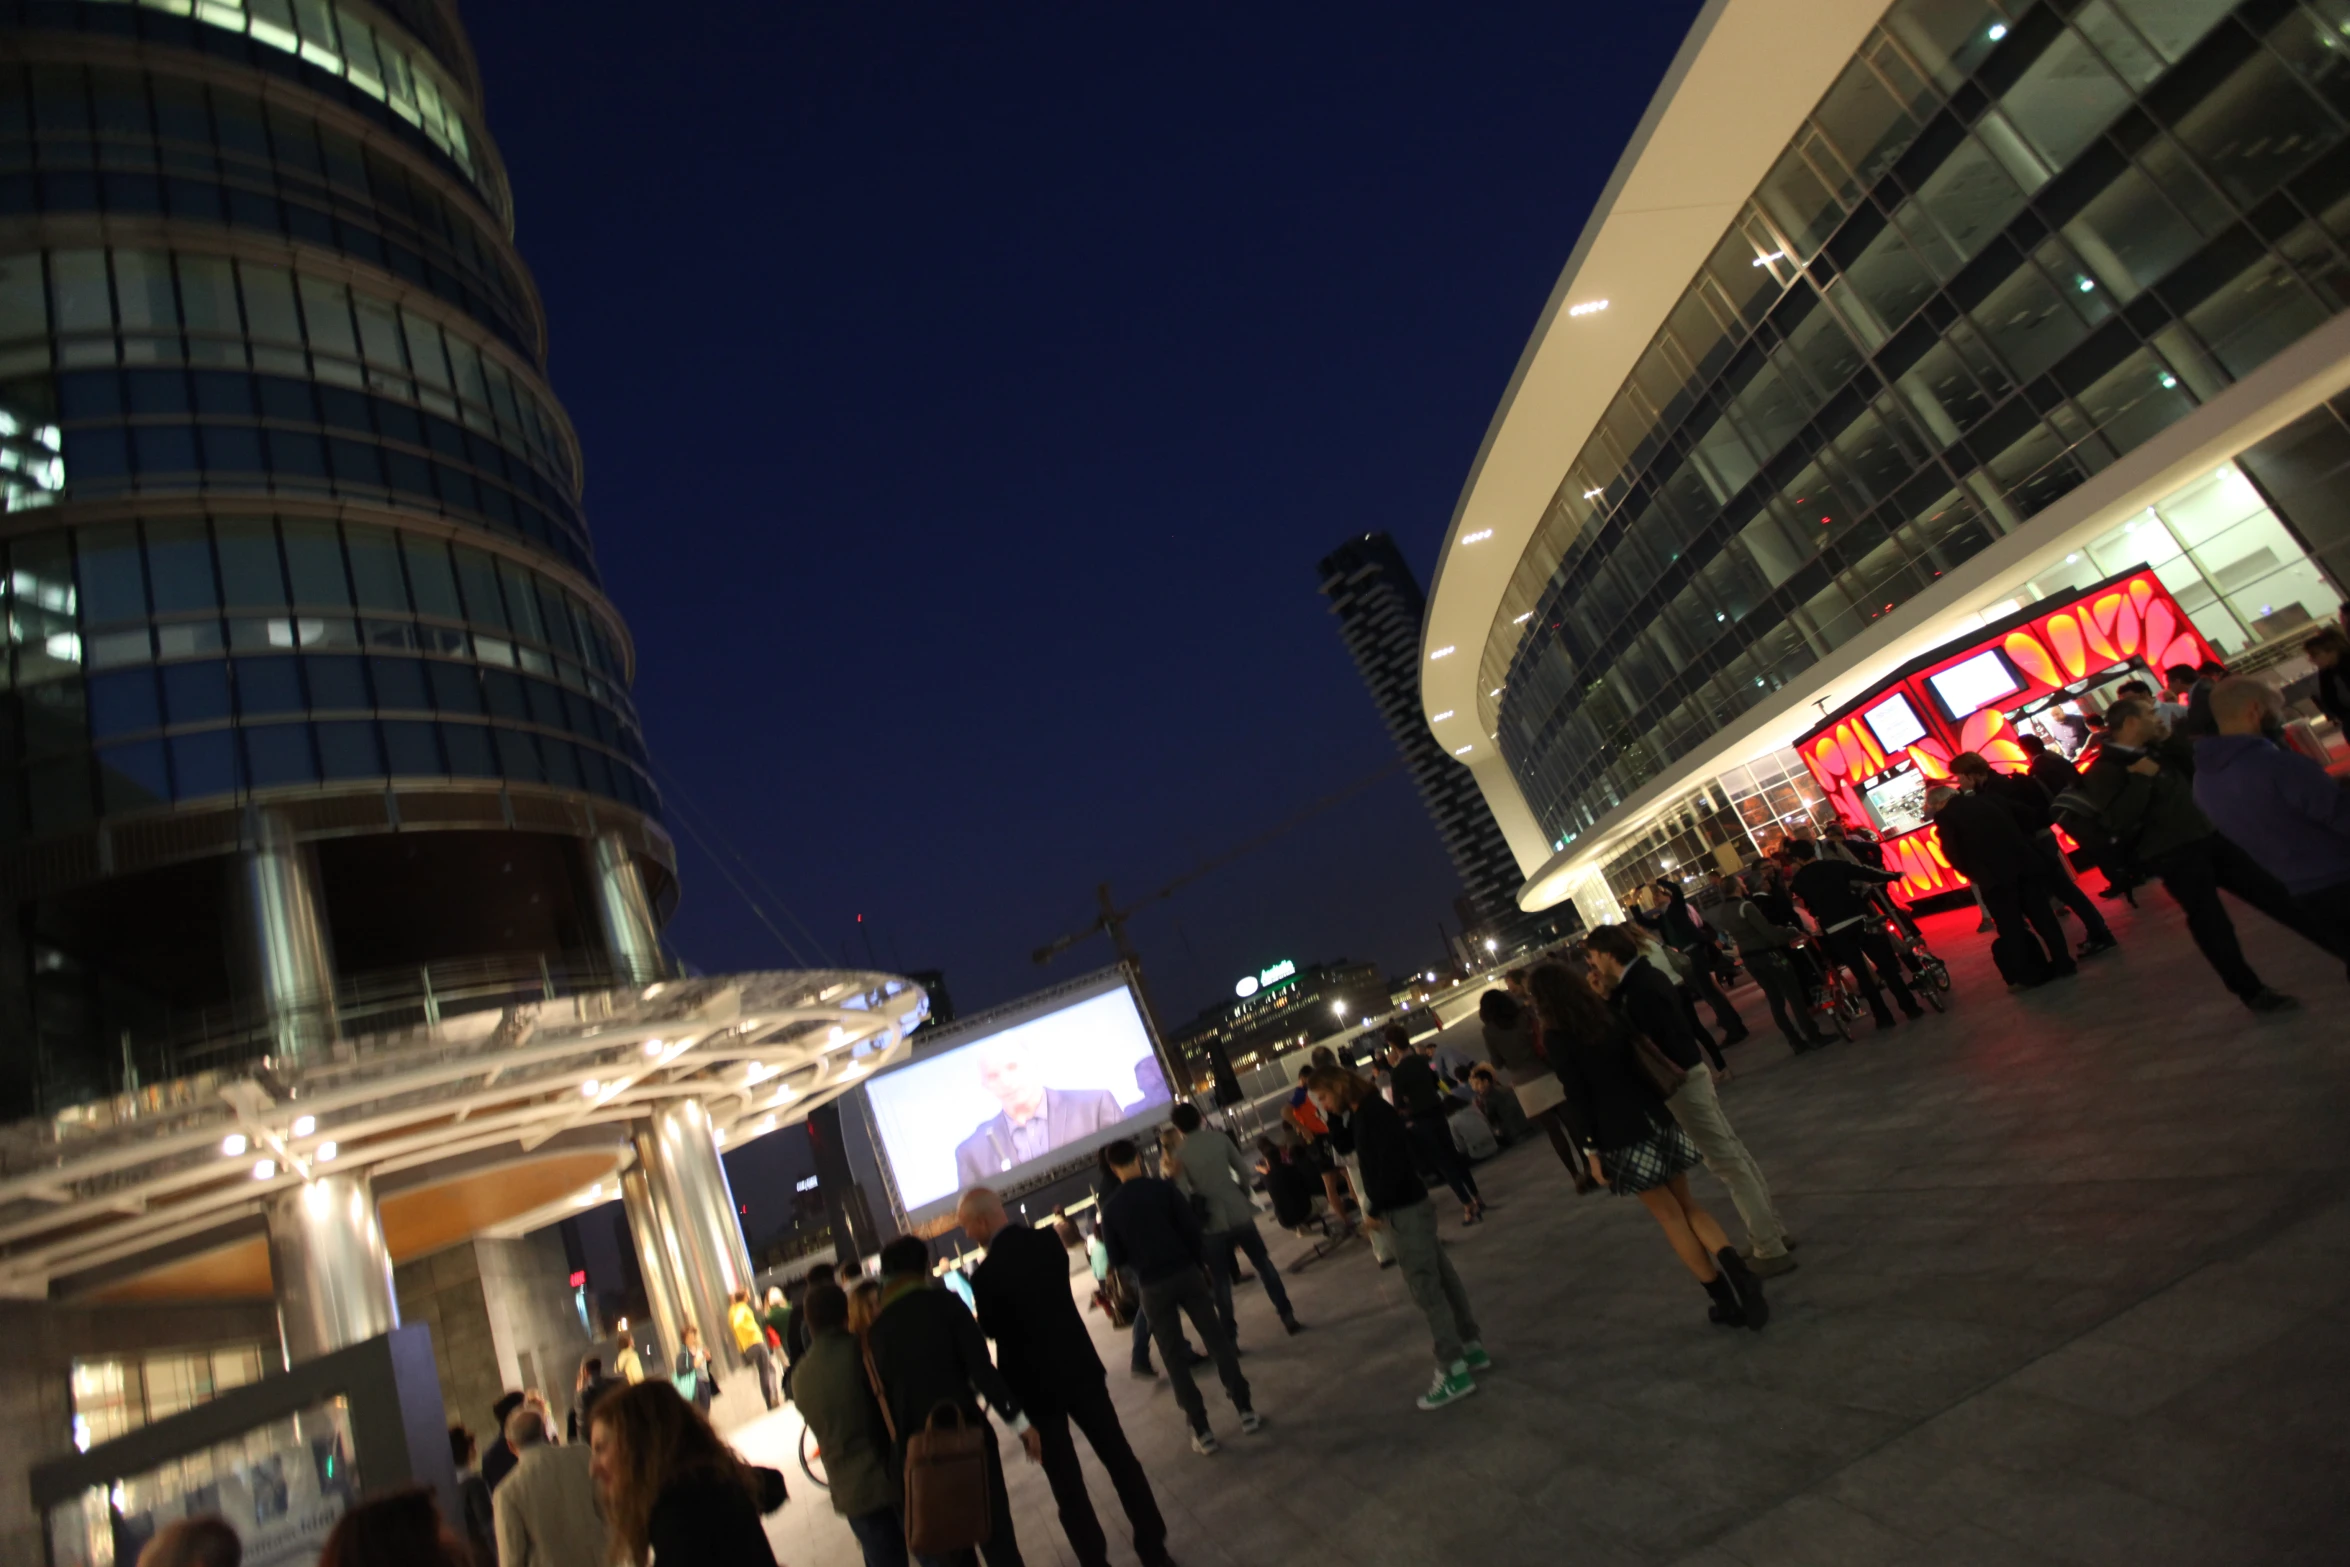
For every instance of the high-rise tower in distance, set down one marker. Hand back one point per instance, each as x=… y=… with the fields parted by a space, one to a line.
x=1379 y=605
x=316 y=712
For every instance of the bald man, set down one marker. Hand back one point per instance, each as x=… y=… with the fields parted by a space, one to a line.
x=1045 y=1353
x=1034 y=1119
x=2279 y=807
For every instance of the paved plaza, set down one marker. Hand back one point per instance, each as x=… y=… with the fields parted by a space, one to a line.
x=2075 y=1288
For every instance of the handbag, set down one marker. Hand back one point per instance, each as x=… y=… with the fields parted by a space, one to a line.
x=1663 y=1073
x=946 y=1478
x=688 y=1384
x=1539 y=1092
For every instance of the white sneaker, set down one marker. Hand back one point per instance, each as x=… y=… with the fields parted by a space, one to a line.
x=1251 y=1422
x=1204 y=1443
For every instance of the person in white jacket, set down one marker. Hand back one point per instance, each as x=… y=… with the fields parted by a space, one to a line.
x=1207 y=1165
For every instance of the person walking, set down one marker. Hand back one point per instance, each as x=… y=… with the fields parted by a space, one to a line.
x=1340 y=1136
x=499 y=1459
x=2033 y=807
x=750 y=1342
x=1140 y=1365
x=207 y=1541
x=1837 y=893
x=2282 y=808
x=591 y=1385
x=795 y=1338
x=625 y=1360
x=671 y=1490
x=1984 y=842
x=1208 y=1166
x=1764 y=946
x=1419 y=1097
x=546 y=1509
x=835 y=1397
x=1635 y=1145
x=2144 y=796
x=1665 y=910
x=476 y=1517
x=927 y=1351
x=1513 y=1040
x=1148 y=1225
x=1644 y=998
x=1394 y=1198
x=1047 y=1356
x=691 y=1374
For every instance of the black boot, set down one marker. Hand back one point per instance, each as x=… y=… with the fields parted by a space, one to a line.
x=1749 y=1288
x=1725 y=1312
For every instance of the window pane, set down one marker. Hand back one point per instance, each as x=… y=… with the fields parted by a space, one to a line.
x=1801 y=203
x=1971 y=198
x=315 y=557
x=269 y=302
x=179 y=562
x=429 y=575
x=2064 y=99
x=1866 y=123
x=1889 y=280
x=2257 y=128
x=326 y=310
x=375 y=567
x=24 y=306
x=2131 y=236
x=482 y=604
x=1949 y=38
x=78 y=280
x=2029 y=323
x=113 y=587
x=2173 y=26
x=208 y=295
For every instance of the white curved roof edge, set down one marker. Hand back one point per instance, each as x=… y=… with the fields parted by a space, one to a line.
x=1737 y=91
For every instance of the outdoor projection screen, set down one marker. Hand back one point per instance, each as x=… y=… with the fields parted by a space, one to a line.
x=1024 y=1091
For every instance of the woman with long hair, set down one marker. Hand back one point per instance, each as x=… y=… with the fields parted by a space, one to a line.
x=671 y=1488
x=864 y=1306
x=1634 y=1145
x=401 y=1529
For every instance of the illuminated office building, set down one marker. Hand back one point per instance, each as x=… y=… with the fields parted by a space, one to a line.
x=1890 y=325
x=315 y=705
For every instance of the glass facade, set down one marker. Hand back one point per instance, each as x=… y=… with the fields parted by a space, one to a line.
x=2012 y=242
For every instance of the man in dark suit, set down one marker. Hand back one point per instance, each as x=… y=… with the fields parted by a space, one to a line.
x=1045 y=1353
x=1983 y=839
x=1034 y=1120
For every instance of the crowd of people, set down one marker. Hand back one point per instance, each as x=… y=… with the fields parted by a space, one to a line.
x=1603 y=1049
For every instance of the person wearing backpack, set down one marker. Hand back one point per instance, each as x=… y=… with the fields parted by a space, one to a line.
x=1763 y=946
x=2034 y=810
x=2147 y=803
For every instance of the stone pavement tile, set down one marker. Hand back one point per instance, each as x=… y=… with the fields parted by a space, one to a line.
x=2074 y=1518
x=1910 y=1487
x=1815 y=1531
x=1634 y=1508
x=2229 y=1482
x=2200 y=1319
x=1968 y=1546
x=2115 y=1379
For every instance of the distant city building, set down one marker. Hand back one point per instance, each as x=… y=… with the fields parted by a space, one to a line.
x=942 y=1006
x=1275 y=1010
x=1379 y=606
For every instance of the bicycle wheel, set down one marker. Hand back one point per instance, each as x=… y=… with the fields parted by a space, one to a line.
x=1848 y=999
x=812 y=1459
x=1939 y=972
x=1933 y=996
x=1837 y=1022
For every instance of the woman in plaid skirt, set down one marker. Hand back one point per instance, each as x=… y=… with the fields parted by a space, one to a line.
x=1631 y=1140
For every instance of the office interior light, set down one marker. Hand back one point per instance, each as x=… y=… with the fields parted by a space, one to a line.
x=1479 y=537
x=1442 y=652
x=1589 y=307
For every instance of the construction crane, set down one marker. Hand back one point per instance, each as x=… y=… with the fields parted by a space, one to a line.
x=1112 y=920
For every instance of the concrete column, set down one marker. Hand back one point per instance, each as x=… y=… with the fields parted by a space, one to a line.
x=281 y=936
x=663 y=1269
x=678 y=1152
x=332 y=1271
x=632 y=938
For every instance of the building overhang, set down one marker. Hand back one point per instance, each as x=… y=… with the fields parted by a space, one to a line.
x=1737 y=91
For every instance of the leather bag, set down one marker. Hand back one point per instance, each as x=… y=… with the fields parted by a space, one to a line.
x=946 y=1478
x=1660 y=1069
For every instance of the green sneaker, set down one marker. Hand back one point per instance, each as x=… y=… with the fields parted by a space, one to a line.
x=1473 y=1356
x=1448 y=1386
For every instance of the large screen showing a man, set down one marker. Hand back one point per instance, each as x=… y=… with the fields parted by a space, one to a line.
x=1044 y=1087
x=1034 y=1119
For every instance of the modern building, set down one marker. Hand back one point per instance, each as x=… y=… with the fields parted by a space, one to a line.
x=1275 y=1010
x=1379 y=607
x=315 y=702
x=1888 y=325
x=331 y=874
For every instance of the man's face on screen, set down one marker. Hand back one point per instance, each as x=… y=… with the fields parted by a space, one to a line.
x=1008 y=1077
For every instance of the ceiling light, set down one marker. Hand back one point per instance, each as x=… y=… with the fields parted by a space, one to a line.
x=1442 y=652
x=2169 y=381
x=1589 y=307
x=2086 y=285
x=721 y=1134
x=1592 y=495
x=233 y=1146
x=1522 y=619
x=304 y=1125
x=1776 y=255
x=1441 y=717
x=1464 y=750
x=1479 y=537
x=652 y=1047
x=1496 y=691
x=588 y=1089
x=326 y=1153
x=837 y=1035
x=1998 y=31
x=264 y=1169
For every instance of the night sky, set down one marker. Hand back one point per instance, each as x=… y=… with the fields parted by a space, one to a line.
x=968 y=392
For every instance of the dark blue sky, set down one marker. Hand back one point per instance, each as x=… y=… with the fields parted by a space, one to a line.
x=968 y=392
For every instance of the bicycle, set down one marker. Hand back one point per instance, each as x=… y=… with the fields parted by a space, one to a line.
x=1834 y=999
x=1931 y=974
x=812 y=1459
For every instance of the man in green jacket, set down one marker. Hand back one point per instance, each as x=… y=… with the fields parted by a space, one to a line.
x=2145 y=796
x=830 y=1387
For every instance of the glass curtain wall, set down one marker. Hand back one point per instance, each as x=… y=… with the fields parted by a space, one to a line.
x=2013 y=242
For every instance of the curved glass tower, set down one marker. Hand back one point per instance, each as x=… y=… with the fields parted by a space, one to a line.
x=315 y=709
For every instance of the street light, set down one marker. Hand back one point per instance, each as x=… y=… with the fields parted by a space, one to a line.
x=1338 y=1007
x=1491 y=945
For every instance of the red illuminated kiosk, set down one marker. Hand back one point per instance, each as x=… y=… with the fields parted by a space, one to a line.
x=1876 y=757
